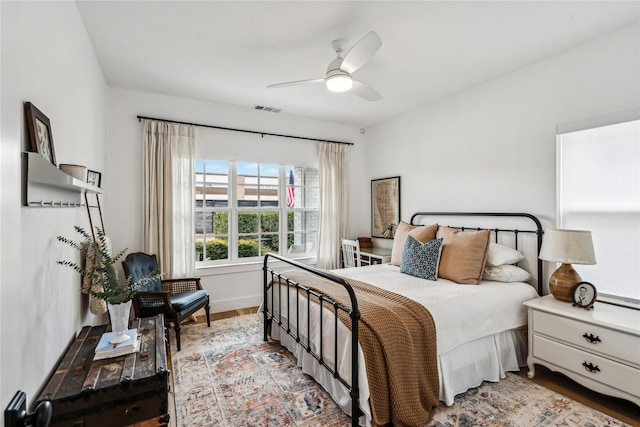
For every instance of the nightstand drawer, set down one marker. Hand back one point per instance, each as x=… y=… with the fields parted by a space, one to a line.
x=588 y=336
x=597 y=368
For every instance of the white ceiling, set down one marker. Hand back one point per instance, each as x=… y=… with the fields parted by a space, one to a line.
x=229 y=51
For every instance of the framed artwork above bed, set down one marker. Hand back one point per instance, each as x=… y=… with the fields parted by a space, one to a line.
x=385 y=206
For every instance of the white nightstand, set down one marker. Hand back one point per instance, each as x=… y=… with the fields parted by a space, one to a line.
x=599 y=348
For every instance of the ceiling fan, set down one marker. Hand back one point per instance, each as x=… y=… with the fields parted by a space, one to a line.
x=339 y=72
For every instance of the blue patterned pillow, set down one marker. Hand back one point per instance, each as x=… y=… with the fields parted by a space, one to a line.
x=421 y=259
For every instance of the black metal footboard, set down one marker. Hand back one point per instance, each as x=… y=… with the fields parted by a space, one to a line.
x=273 y=279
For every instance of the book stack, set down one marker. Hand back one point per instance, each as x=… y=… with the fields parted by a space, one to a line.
x=105 y=349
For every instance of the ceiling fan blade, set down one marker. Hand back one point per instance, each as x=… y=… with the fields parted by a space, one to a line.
x=365 y=92
x=361 y=52
x=297 y=82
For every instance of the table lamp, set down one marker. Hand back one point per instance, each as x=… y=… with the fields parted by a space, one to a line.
x=568 y=247
x=389 y=232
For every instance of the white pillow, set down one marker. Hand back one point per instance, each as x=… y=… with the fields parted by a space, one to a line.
x=506 y=273
x=501 y=255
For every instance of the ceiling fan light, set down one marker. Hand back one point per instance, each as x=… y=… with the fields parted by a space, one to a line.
x=339 y=83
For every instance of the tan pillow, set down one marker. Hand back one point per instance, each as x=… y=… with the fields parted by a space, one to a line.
x=464 y=255
x=422 y=234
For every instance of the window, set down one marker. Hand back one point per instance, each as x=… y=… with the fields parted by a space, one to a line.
x=246 y=209
x=599 y=190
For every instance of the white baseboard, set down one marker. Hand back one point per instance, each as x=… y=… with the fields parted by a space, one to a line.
x=218 y=306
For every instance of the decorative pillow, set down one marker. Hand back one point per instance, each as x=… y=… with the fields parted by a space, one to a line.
x=464 y=254
x=502 y=255
x=421 y=259
x=423 y=233
x=506 y=273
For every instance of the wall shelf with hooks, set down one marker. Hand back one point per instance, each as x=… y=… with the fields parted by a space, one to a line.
x=48 y=186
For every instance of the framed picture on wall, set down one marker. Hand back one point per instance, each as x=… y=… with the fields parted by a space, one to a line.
x=385 y=206
x=94 y=178
x=40 y=132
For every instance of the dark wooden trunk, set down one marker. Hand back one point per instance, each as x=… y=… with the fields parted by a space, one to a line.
x=118 y=391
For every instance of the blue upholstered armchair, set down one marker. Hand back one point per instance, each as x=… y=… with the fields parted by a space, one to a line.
x=177 y=299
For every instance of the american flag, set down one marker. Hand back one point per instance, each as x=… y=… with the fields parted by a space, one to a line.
x=290 y=191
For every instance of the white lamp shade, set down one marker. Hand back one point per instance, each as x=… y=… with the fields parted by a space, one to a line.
x=568 y=247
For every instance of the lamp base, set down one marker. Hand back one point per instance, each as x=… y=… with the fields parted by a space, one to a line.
x=562 y=282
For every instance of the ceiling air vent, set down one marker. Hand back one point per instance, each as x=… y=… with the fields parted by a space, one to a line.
x=263 y=108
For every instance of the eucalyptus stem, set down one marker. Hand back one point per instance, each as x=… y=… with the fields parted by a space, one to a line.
x=101 y=271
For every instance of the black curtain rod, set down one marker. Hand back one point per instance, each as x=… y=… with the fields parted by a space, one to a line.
x=244 y=130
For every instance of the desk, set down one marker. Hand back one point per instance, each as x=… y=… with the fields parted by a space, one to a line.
x=372 y=256
x=119 y=391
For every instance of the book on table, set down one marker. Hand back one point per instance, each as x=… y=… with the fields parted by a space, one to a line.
x=105 y=349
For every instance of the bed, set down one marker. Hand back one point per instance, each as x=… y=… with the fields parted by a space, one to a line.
x=478 y=327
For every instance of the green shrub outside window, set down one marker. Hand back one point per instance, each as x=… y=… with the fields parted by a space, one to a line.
x=218 y=248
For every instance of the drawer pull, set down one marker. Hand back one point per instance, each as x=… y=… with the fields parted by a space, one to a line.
x=591 y=367
x=591 y=338
x=132 y=410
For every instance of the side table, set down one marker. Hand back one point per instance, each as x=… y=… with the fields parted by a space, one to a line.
x=375 y=255
x=599 y=348
x=119 y=391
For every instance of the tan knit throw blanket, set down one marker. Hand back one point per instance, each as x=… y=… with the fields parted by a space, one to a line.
x=398 y=338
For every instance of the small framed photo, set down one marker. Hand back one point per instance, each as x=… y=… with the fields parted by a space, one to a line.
x=40 y=132
x=584 y=295
x=94 y=178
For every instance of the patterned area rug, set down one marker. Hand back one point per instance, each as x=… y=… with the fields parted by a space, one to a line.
x=227 y=376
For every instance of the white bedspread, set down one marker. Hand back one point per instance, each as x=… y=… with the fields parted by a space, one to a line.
x=462 y=313
x=473 y=326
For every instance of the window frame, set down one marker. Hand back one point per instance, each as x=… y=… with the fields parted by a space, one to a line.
x=565 y=215
x=234 y=209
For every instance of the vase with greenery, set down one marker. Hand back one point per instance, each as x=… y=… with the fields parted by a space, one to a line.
x=103 y=276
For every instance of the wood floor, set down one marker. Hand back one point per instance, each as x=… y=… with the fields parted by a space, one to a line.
x=618 y=408
x=232 y=313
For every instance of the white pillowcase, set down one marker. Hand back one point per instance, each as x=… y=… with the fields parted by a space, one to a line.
x=501 y=255
x=506 y=273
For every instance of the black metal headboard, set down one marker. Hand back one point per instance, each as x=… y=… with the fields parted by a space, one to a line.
x=497 y=230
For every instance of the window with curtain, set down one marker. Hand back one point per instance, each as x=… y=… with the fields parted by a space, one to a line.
x=244 y=210
x=599 y=190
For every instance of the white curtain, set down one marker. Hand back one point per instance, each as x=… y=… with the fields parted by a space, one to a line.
x=333 y=171
x=168 y=196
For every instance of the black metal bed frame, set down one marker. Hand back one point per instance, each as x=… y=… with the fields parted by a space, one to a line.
x=270 y=276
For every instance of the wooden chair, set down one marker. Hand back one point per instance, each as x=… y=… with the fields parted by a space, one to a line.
x=350 y=253
x=177 y=299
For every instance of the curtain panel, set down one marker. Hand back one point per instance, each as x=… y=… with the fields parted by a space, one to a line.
x=333 y=170
x=168 y=196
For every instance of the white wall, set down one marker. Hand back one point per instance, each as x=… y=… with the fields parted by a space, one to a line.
x=46 y=59
x=492 y=147
x=229 y=287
